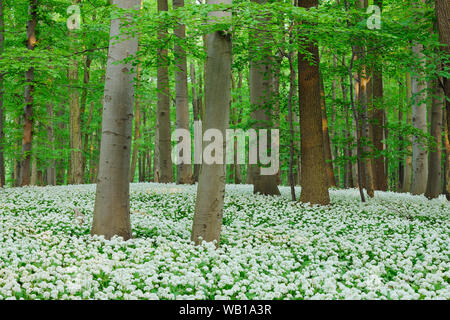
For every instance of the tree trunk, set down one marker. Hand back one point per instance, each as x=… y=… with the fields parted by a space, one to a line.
x=260 y=99
x=211 y=186
x=407 y=178
x=76 y=154
x=137 y=122
x=326 y=138
x=184 y=170
x=51 y=169
x=442 y=8
x=314 y=180
x=419 y=120
x=85 y=126
x=446 y=141
x=401 y=167
x=29 y=97
x=196 y=111
x=112 y=201
x=434 y=164
x=377 y=126
x=163 y=112
x=2 y=116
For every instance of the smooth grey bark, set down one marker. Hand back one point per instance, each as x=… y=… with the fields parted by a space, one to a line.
x=260 y=82
x=434 y=164
x=195 y=110
x=76 y=154
x=212 y=178
x=112 y=201
x=184 y=170
x=163 y=106
x=419 y=121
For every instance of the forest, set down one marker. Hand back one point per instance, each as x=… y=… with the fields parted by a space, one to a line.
x=224 y=149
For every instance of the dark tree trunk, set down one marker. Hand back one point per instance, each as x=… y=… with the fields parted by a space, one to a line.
x=314 y=179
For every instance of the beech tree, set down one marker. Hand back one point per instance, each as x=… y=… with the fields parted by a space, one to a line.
x=184 y=170
x=260 y=81
x=211 y=183
x=163 y=109
x=25 y=167
x=112 y=200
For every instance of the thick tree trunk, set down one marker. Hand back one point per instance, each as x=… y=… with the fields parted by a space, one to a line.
x=419 y=121
x=184 y=170
x=112 y=201
x=163 y=112
x=314 y=180
x=442 y=8
x=434 y=164
x=29 y=97
x=211 y=186
x=260 y=82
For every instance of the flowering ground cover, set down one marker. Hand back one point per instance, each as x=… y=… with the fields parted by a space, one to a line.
x=395 y=246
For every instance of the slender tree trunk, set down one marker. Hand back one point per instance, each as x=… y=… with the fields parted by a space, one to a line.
x=112 y=201
x=211 y=186
x=184 y=170
x=401 y=167
x=51 y=169
x=195 y=109
x=446 y=141
x=419 y=121
x=76 y=154
x=163 y=112
x=276 y=99
x=364 y=98
x=407 y=178
x=377 y=124
x=358 y=174
x=326 y=138
x=434 y=164
x=348 y=178
x=137 y=122
x=2 y=116
x=29 y=97
x=84 y=95
x=86 y=151
x=237 y=167
x=291 y=126
x=314 y=180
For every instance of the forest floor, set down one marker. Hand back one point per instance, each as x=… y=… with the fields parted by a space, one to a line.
x=395 y=246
